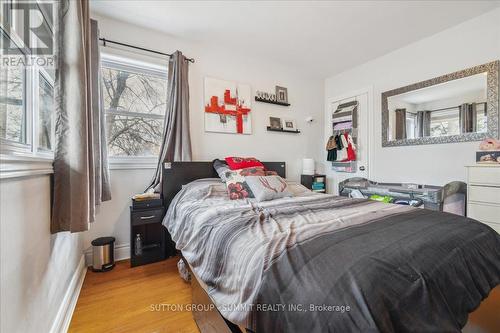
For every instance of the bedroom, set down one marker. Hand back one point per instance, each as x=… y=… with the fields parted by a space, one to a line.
x=304 y=58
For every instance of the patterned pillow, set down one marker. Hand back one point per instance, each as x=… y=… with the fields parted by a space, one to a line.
x=268 y=187
x=237 y=186
x=236 y=163
x=221 y=168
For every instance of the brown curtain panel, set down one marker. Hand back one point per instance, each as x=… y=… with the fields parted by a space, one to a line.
x=468 y=118
x=423 y=124
x=176 y=144
x=81 y=178
x=400 y=124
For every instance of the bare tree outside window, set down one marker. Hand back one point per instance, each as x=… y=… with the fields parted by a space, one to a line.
x=135 y=104
x=12 y=110
x=445 y=123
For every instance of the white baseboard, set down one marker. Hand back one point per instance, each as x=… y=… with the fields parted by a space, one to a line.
x=68 y=304
x=122 y=252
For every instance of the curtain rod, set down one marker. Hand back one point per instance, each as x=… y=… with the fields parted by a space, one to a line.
x=443 y=109
x=104 y=40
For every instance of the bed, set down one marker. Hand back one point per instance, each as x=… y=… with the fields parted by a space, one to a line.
x=322 y=263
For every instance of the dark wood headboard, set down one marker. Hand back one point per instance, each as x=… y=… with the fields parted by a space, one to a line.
x=177 y=174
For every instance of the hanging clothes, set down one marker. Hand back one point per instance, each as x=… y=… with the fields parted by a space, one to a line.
x=331 y=148
x=351 y=147
x=342 y=153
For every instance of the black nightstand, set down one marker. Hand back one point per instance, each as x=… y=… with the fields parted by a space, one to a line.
x=156 y=242
x=309 y=180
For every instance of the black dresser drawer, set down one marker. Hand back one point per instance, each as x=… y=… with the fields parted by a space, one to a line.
x=147 y=216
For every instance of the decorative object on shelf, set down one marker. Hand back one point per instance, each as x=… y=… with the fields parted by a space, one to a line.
x=308 y=166
x=489 y=152
x=227 y=107
x=289 y=125
x=314 y=182
x=279 y=98
x=281 y=94
x=275 y=123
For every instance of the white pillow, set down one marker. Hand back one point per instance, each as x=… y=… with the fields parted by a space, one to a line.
x=268 y=187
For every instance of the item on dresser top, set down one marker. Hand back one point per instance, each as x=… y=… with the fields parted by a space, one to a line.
x=489 y=144
x=488 y=157
x=237 y=163
x=268 y=187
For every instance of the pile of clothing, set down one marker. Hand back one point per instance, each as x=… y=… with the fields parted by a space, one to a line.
x=341 y=148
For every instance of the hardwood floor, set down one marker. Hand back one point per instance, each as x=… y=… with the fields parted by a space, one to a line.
x=123 y=300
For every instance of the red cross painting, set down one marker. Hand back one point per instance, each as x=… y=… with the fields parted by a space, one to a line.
x=227 y=107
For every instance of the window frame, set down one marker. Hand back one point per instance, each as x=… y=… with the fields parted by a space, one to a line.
x=22 y=148
x=142 y=67
x=48 y=153
x=25 y=159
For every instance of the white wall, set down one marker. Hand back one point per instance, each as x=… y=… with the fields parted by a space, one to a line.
x=36 y=267
x=471 y=43
x=305 y=94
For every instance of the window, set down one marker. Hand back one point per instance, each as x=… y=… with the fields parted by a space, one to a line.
x=45 y=114
x=446 y=122
x=13 y=104
x=410 y=125
x=26 y=102
x=134 y=102
x=482 y=118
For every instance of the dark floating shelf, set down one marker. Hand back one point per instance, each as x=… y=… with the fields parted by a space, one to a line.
x=269 y=128
x=271 y=102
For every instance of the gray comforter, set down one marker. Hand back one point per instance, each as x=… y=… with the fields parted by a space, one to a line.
x=322 y=263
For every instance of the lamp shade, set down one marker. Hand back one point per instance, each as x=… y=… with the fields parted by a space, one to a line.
x=307 y=166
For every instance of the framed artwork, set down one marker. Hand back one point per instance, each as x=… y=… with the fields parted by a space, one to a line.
x=227 y=107
x=289 y=125
x=275 y=122
x=281 y=94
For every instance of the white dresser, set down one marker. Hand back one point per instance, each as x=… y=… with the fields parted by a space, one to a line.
x=483 y=194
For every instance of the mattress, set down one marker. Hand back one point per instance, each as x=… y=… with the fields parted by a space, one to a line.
x=323 y=263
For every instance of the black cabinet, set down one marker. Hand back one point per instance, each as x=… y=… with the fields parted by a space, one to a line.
x=156 y=242
x=316 y=183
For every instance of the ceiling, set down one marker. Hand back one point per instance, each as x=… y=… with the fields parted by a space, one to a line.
x=462 y=87
x=322 y=37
